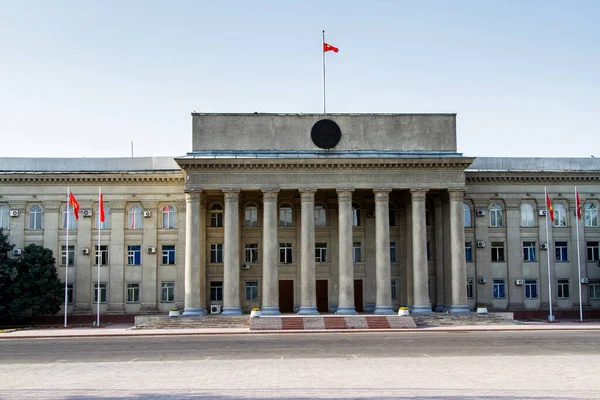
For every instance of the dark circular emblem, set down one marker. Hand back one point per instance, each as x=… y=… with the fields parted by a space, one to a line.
x=326 y=134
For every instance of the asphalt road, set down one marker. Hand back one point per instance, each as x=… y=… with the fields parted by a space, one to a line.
x=300 y=346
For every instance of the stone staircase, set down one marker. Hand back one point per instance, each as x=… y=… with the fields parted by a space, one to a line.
x=443 y=319
x=325 y=322
x=208 y=321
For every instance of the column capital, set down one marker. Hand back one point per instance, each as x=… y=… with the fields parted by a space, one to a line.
x=307 y=195
x=231 y=195
x=344 y=194
x=192 y=196
x=270 y=195
x=418 y=194
x=382 y=195
x=456 y=194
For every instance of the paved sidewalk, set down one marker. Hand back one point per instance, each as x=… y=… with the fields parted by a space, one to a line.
x=130 y=330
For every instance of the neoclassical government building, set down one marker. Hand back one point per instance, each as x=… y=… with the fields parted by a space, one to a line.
x=313 y=213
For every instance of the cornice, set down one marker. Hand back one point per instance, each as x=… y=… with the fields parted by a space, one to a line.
x=539 y=176
x=50 y=178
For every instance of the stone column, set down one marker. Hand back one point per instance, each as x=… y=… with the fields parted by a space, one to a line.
x=515 y=267
x=193 y=222
x=382 y=255
x=308 y=290
x=346 y=264
x=270 y=294
x=231 y=258
x=457 y=253
x=439 y=255
x=150 y=284
x=116 y=300
x=422 y=304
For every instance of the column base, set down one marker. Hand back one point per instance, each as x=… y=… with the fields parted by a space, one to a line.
x=270 y=311
x=369 y=307
x=421 y=310
x=440 y=308
x=464 y=309
x=346 y=311
x=231 y=311
x=193 y=312
x=384 y=310
x=308 y=311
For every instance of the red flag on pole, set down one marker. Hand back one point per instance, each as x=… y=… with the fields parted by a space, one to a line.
x=550 y=209
x=101 y=208
x=328 y=47
x=75 y=205
x=578 y=204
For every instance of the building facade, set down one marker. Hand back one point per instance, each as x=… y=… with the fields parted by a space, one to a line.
x=313 y=213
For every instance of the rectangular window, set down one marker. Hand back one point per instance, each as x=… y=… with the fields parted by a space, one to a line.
x=356 y=252
x=393 y=251
x=320 y=252
x=216 y=253
x=592 y=251
x=70 y=293
x=594 y=290
x=216 y=291
x=103 y=286
x=497 y=251
x=134 y=255
x=251 y=216
x=394 y=290
x=133 y=292
x=103 y=254
x=216 y=219
x=63 y=258
x=469 y=288
x=251 y=252
x=252 y=290
x=468 y=251
x=498 y=289
x=168 y=254
x=531 y=289
x=563 y=290
x=285 y=216
x=529 y=251
x=167 y=292
x=428 y=252
x=560 y=250
x=285 y=253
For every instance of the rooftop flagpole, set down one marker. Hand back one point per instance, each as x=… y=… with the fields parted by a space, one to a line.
x=323 y=54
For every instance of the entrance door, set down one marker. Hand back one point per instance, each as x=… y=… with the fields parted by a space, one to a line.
x=358 y=295
x=322 y=297
x=286 y=296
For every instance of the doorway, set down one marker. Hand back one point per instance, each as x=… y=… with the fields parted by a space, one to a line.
x=358 y=295
x=322 y=296
x=286 y=296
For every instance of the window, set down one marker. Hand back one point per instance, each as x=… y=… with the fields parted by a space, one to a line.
x=356 y=252
x=106 y=223
x=394 y=290
x=134 y=255
x=498 y=289
x=168 y=217
x=393 y=251
x=133 y=292
x=251 y=252
x=35 y=218
x=4 y=217
x=72 y=221
x=251 y=216
x=320 y=215
x=69 y=294
x=355 y=214
x=167 y=292
x=285 y=253
x=63 y=256
x=252 y=290
x=216 y=253
x=428 y=251
x=529 y=251
x=168 y=254
x=563 y=289
x=467 y=215
x=560 y=249
x=497 y=251
x=591 y=214
x=320 y=252
x=392 y=215
x=134 y=217
x=469 y=288
x=103 y=292
x=216 y=291
x=468 y=252
x=102 y=254
x=560 y=214
x=496 y=215
x=592 y=251
x=285 y=215
x=216 y=216
x=531 y=291
x=527 y=214
x=594 y=291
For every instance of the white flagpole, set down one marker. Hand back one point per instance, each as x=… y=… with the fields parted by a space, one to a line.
x=67 y=263
x=550 y=317
x=323 y=54
x=99 y=258
x=578 y=255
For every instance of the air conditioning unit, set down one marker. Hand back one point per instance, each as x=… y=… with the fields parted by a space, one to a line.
x=520 y=282
x=86 y=213
x=14 y=213
x=147 y=214
x=245 y=265
x=469 y=280
x=544 y=246
x=542 y=213
x=16 y=252
x=585 y=280
x=480 y=244
x=215 y=309
x=480 y=213
x=85 y=251
x=151 y=250
x=481 y=280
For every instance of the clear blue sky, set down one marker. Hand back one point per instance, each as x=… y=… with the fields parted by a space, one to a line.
x=85 y=78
